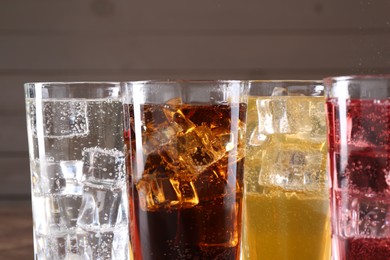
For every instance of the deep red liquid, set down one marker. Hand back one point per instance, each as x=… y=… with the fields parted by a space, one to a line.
x=364 y=249
x=359 y=152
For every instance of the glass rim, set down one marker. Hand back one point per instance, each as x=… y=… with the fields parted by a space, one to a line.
x=357 y=77
x=287 y=81
x=71 y=83
x=178 y=81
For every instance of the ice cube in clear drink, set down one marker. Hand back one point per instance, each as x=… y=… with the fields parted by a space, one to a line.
x=55 y=225
x=105 y=166
x=47 y=177
x=47 y=214
x=103 y=187
x=121 y=245
x=69 y=205
x=123 y=209
x=62 y=177
x=105 y=244
x=52 y=246
x=100 y=205
x=72 y=171
x=62 y=118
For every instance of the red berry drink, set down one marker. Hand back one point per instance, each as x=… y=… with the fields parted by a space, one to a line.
x=359 y=151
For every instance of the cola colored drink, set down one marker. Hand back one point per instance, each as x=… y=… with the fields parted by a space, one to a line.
x=185 y=163
x=359 y=149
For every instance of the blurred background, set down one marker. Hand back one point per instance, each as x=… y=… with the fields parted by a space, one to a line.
x=90 y=40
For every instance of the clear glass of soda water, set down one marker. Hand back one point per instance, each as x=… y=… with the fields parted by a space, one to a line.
x=78 y=181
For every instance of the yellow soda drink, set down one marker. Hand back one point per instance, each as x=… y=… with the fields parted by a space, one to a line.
x=286 y=211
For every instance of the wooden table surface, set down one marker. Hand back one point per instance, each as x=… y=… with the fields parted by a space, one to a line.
x=16 y=235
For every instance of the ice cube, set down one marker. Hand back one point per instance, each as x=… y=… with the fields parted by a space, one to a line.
x=291 y=115
x=62 y=177
x=279 y=91
x=123 y=209
x=196 y=150
x=55 y=226
x=154 y=139
x=157 y=191
x=47 y=177
x=317 y=118
x=100 y=206
x=69 y=206
x=64 y=118
x=72 y=170
x=188 y=154
x=53 y=246
x=186 y=193
x=256 y=138
x=121 y=243
x=367 y=174
x=365 y=217
x=371 y=126
x=105 y=166
x=272 y=115
x=73 y=173
x=295 y=165
x=176 y=118
x=47 y=214
x=97 y=245
x=214 y=182
x=63 y=245
x=112 y=244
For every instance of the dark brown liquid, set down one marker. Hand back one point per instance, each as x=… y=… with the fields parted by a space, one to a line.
x=186 y=188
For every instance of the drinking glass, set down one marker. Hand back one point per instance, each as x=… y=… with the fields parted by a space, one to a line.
x=286 y=205
x=185 y=154
x=78 y=181
x=358 y=109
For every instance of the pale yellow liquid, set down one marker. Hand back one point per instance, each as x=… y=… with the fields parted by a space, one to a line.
x=282 y=227
x=286 y=216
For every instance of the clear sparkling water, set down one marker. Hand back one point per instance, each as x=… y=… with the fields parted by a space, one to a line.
x=79 y=195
